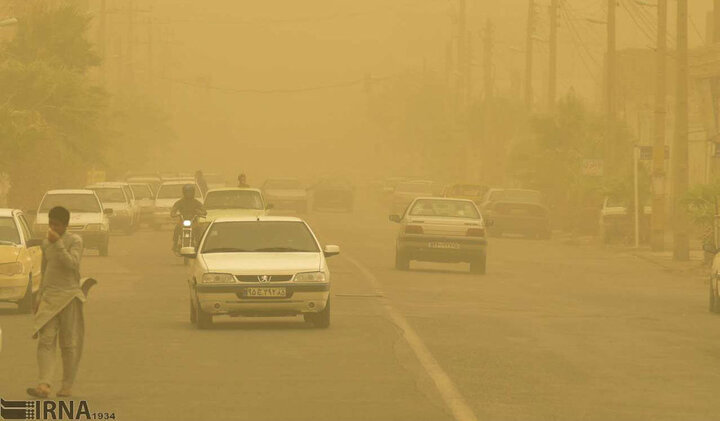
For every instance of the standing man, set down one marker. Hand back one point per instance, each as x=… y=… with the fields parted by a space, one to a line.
x=59 y=312
x=201 y=182
x=242 y=181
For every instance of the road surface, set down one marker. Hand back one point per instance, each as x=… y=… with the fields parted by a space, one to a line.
x=552 y=332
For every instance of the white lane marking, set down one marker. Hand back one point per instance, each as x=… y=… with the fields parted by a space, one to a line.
x=444 y=384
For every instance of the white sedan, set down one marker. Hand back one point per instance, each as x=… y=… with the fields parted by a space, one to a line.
x=259 y=266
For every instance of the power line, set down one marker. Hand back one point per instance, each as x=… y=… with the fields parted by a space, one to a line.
x=577 y=40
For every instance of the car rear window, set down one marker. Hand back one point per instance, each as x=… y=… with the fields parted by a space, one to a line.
x=259 y=237
x=174 y=191
x=110 y=194
x=142 y=191
x=444 y=208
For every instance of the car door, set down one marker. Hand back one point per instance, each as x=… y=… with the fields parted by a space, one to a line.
x=34 y=252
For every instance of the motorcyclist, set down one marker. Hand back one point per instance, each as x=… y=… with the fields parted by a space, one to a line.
x=186 y=208
x=242 y=181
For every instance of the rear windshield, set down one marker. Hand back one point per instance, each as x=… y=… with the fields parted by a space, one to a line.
x=444 y=208
x=259 y=237
x=110 y=194
x=74 y=202
x=142 y=191
x=174 y=191
x=233 y=199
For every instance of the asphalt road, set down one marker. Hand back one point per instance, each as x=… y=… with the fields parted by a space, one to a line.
x=552 y=332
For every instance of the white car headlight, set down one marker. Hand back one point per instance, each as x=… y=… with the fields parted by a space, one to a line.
x=310 y=277
x=218 y=278
x=11 y=269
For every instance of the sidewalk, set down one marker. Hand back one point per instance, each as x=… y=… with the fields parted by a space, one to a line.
x=661 y=258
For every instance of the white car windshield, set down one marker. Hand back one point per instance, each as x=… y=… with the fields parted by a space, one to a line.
x=142 y=191
x=110 y=194
x=74 y=202
x=444 y=208
x=259 y=237
x=233 y=199
x=282 y=185
x=8 y=231
x=173 y=191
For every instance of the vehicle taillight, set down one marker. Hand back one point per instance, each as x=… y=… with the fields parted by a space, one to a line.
x=413 y=229
x=475 y=232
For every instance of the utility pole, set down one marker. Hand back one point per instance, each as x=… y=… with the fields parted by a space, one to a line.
x=552 y=71
x=680 y=145
x=610 y=87
x=487 y=61
x=461 y=55
x=102 y=35
x=529 y=55
x=657 y=221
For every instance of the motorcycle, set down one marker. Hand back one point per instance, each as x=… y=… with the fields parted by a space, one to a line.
x=186 y=239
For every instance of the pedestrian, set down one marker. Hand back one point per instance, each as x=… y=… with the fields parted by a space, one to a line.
x=201 y=182
x=242 y=181
x=59 y=306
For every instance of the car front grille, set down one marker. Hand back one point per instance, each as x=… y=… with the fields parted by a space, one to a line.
x=256 y=278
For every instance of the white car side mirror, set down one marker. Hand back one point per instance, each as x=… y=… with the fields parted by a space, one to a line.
x=331 y=250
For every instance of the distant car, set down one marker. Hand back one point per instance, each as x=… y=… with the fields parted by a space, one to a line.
x=517 y=211
x=617 y=222
x=88 y=218
x=145 y=199
x=153 y=181
x=117 y=196
x=260 y=266
x=434 y=229
x=474 y=192
x=233 y=202
x=169 y=193
x=20 y=260
x=333 y=194
x=408 y=191
x=389 y=184
x=286 y=193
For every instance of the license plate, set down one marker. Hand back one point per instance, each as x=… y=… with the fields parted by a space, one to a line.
x=265 y=292
x=442 y=245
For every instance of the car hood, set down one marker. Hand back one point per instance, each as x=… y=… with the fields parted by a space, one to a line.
x=76 y=218
x=261 y=263
x=213 y=214
x=9 y=254
x=286 y=193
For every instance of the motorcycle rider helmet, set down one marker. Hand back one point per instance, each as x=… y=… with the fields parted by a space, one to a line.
x=188 y=191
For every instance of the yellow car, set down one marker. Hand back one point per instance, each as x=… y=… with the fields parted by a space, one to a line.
x=20 y=260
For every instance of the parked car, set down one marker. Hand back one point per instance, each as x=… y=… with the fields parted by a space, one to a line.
x=168 y=193
x=333 y=194
x=260 y=266
x=517 y=211
x=286 y=194
x=434 y=229
x=20 y=260
x=118 y=197
x=153 y=181
x=88 y=218
x=617 y=221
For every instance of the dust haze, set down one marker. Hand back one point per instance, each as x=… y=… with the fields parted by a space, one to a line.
x=359 y=210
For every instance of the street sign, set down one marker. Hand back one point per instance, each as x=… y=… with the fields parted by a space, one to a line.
x=646 y=153
x=592 y=167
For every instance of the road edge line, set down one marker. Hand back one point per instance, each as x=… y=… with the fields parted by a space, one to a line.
x=450 y=394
